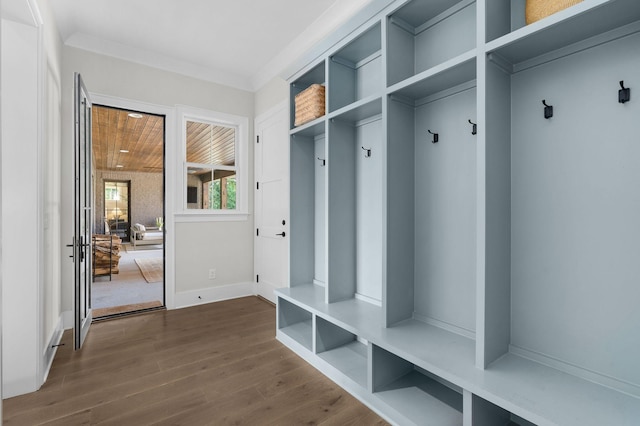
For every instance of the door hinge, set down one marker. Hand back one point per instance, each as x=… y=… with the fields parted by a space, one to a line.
x=258 y=139
x=257 y=232
x=257 y=185
x=257 y=278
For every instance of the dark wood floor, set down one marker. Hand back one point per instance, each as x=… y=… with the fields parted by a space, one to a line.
x=215 y=364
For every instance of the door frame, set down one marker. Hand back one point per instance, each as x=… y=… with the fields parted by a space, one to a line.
x=170 y=173
x=280 y=110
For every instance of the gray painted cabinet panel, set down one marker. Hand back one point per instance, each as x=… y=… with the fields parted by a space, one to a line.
x=445 y=211
x=320 y=213
x=369 y=209
x=488 y=278
x=575 y=208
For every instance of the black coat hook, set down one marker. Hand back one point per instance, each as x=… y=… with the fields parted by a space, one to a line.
x=367 y=153
x=324 y=162
x=474 y=129
x=435 y=136
x=548 y=109
x=624 y=94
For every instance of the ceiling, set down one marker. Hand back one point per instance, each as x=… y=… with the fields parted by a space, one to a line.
x=129 y=141
x=126 y=144
x=239 y=43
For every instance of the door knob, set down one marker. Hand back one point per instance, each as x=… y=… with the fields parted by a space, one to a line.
x=282 y=234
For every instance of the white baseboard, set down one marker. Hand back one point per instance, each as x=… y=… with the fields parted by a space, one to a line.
x=49 y=352
x=266 y=291
x=18 y=387
x=196 y=297
x=214 y=294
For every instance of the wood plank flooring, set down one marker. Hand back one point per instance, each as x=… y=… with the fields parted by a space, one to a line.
x=214 y=364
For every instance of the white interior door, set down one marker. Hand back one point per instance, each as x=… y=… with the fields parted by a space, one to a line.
x=271 y=257
x=83 y=213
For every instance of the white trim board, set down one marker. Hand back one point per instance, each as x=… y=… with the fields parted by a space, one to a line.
x=49 y=352
x=266 y=291
x=214 y=294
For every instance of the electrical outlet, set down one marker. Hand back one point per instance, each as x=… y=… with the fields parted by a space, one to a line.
x=212 y=274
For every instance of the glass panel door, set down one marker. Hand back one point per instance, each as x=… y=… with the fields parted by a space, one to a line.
x=83 y=214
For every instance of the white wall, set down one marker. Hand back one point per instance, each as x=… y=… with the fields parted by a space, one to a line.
x=30 y=190
x=197 y=245
x=226 y=247
x=50 y=190
x=20 y=246
x=270 y=95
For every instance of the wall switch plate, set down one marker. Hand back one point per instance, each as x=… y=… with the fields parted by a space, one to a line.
x=212 y=274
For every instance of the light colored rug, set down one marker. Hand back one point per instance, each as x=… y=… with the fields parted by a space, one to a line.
x=103 y=312
x=129 y=286
x=152 y=269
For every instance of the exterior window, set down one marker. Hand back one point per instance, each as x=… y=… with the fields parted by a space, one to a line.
x=221 y=193
x=213 y=164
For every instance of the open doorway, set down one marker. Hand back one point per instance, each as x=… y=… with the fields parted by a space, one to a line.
x=129 y=197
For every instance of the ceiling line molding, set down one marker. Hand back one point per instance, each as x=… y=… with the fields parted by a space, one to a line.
x=368 y=12
x=22 y=11
x=156 y=60
x=333 y=18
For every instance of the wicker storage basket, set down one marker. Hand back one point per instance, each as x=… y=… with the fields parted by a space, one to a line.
x=309 y=104
x=538 y=9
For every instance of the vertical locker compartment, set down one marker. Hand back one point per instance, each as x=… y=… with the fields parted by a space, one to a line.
x=431 y=215
x=308 y=192
x=559 y=225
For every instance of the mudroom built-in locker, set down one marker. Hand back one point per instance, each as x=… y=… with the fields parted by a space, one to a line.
x=464 y=218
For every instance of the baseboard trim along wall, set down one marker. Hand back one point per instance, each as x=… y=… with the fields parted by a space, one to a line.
x=214 y=294
x=49 y=352
x=196 y=297
x=266 y=291
x=32 y=384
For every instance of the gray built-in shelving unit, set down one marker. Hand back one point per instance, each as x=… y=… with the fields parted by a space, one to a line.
x=489 y=278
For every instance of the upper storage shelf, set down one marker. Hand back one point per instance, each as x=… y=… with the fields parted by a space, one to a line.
x=514 y=42
x=442 y=77
x=316 y=75
x=355 y=71
x=423 y=34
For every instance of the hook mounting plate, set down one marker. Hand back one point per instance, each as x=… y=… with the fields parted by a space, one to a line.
x=624 y=94
x=436 y=138
x=548 y=109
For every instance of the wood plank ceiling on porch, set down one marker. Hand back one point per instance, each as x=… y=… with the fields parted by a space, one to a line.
x=128 y=144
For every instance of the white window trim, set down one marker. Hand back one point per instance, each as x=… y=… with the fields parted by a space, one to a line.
x=241 y=213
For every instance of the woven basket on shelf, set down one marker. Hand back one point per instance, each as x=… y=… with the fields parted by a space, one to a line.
x=538 y=9
x=309 y=104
